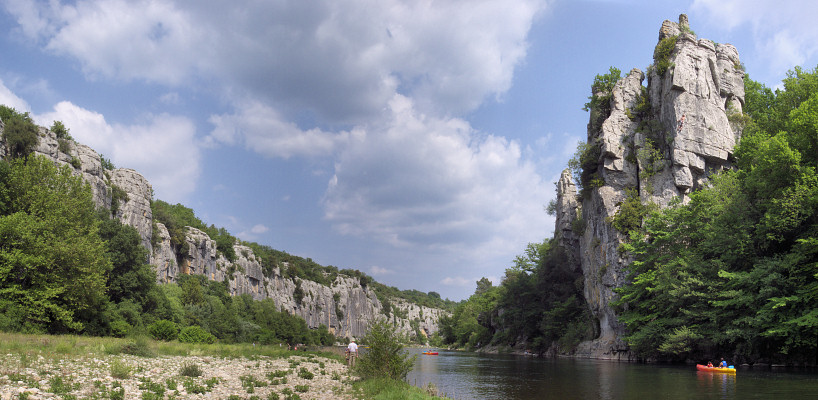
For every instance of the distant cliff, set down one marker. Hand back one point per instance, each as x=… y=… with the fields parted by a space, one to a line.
x=655 y=145
x=128 y=195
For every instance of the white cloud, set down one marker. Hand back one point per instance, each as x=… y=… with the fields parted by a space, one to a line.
x=785 y=32
x=259 y=229
x=8 y=98
x=162 y=148
x=457 y=281
x=262 y=129
x=434 y=183
x=340 y=61
x=376 y=271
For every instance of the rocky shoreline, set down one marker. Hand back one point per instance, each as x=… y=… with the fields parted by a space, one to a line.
x=172 y=377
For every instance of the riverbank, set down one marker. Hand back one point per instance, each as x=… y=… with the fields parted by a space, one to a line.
x=68 y=367
x=71 y=367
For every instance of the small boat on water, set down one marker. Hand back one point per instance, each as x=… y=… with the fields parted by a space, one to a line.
x=728 y=370
x=430 y=353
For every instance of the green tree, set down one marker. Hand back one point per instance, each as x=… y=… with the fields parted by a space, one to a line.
x=20 y=134
x=52 y=261
x=60 y=130
x=386 y=357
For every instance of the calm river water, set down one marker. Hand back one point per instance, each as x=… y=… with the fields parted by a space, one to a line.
x=465 y=375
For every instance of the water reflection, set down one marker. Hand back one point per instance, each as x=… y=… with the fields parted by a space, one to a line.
x=714 y=382
x=464 y=375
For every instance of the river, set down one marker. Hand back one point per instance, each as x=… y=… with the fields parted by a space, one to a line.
x=466 y=375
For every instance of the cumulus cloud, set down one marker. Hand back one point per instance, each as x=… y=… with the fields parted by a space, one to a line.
x=341 y=61
x=8 y=98
x=162 y=147
x=785 y=33
x=262 y=129
x=436 y=183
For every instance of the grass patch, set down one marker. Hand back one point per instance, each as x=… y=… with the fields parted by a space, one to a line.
x=250 y=383
x=387 y=389
x=119 y=370
x=139 y=347
x=191 y=370
x=305 y=374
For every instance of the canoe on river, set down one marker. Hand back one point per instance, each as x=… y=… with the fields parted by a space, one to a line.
x=715 y=369
x=430 y=353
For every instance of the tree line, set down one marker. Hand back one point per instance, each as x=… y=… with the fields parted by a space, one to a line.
x=538 y=305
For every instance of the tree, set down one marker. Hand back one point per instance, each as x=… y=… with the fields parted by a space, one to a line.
x=483 y=286
x=131 y=277
x=20 y=134
x=386 y=357
x=52 y=262
x=60 y=130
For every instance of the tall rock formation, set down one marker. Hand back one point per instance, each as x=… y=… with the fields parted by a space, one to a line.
x=128 y=195
x=656 y=145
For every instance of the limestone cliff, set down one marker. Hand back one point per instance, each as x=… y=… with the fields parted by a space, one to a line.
x=358 y=305
x=658 y=143
x=128 y=195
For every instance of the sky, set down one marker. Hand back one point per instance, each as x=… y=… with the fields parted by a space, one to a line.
x=418 y=141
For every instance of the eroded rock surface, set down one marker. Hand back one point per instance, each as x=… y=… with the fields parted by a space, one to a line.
x=658 y=155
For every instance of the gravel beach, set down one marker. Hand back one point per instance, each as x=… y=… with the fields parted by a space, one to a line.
x=164 y=377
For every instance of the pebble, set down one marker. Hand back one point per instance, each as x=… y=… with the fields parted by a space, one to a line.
x=89 y=375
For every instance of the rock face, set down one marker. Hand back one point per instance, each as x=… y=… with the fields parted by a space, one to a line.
x=135 y=208
x=659 y=155
x=358 y=305
x=128 y=195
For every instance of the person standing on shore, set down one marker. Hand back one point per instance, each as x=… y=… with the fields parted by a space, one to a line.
x=353 y=352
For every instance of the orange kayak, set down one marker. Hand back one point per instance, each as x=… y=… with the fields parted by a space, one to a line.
x=715 y=369
x=430 y=353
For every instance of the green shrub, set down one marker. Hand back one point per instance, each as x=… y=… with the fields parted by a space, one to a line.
x=195 y=334
x=63 y=146
x=20 y=134
x=305 y=374
x=661 y=55
x=386 y=357
x=75 y=162
x=58 y=385
x=298 y=292
x=117 y=391
x=631 y=213
x=60 y=130
x=192 y=387
x=138 y=347
x=120 y=370
x=600 y=99
x=120 y=328
x=191 y=370
x=106 y=163
x=118 y=196
x=164 y=330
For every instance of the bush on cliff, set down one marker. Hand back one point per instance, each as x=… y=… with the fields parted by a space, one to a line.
x=19 y=132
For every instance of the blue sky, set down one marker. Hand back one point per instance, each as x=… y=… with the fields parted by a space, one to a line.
x=417 y=141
